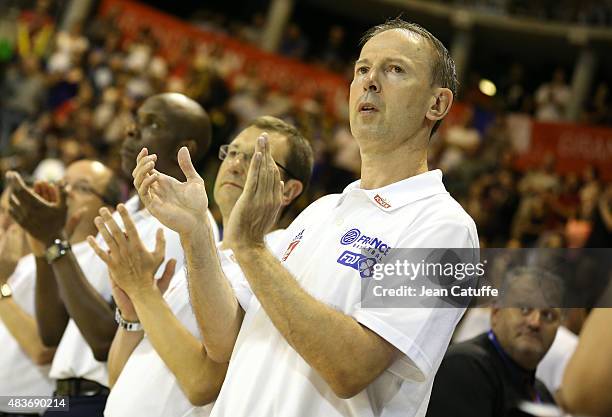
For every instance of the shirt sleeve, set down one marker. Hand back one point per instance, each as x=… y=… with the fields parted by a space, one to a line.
x=234 y=273
x=236 y=278
x=422 y=335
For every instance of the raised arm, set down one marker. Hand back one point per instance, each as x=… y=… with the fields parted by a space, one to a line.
x=132 y=268
x=45 y=222
x=125 y=341
x=24 y=329
x=51 y=315
x=588 y=376
x=19 y=323
x=182 y=207
x=347 y=355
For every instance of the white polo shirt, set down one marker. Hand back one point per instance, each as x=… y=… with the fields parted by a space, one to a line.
x=18 y=374
x=74 y=358
x=146 y=387
x=551 y=368
x=267 y=377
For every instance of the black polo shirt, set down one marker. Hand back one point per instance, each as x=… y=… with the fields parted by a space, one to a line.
x=478 y=379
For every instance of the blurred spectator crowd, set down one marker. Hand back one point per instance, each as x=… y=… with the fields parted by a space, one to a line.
x=70 y=94
x=589 y=12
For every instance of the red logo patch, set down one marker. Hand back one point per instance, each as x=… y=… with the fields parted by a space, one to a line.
x=381 y=201
x=290 y=248
x=293 y=245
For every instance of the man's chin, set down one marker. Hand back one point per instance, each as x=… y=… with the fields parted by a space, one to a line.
x=532 y=349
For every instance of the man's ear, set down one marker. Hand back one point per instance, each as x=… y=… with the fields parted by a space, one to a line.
x=291 y=191
x=440 y=104
x=494 y=312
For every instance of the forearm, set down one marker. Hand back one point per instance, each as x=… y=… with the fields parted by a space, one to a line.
x=216 y=308
x=585 y=388
x=51 y=315
x=347 y=355
x=23 y=328
x=120 y=351
x=199 y=376
x=91 y=312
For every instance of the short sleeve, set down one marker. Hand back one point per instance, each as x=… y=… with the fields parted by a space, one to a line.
x=234 y=274
x=236 y=278
x=421 y=334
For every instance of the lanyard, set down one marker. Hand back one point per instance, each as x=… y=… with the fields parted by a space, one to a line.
x=510 y=365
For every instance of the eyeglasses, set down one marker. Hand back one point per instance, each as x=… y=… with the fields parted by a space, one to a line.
x=225 y=152
x=83 y=187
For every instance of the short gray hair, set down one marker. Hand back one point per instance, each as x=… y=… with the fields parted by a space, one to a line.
x=300 y=159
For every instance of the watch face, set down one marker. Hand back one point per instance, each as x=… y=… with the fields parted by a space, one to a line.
x=5 y=290
x=52 y=253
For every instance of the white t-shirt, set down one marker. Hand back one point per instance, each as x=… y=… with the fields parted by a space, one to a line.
x=551 y=368
x=146 y=387
x=476 y=321
x=18 y=374
x=74 y=358
x=267 y=377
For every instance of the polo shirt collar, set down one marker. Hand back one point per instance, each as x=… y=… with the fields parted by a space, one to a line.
x=404 y=192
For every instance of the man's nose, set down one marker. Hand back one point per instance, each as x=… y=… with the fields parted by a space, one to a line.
x=371 y=82
x=239 y=164
x=534 y=319
x=132 y=130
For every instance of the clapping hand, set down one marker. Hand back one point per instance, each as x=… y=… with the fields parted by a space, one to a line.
x=42 y=219
x=257 y=208
x=132 y=266
x=180 y=206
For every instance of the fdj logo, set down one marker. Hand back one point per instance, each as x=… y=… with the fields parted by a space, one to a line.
x=358 y=262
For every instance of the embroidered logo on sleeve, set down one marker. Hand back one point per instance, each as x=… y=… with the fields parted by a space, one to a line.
x=296 y=241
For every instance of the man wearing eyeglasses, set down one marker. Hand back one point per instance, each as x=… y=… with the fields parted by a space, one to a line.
x=75 y=308
x=491 y=374
x=173 y=368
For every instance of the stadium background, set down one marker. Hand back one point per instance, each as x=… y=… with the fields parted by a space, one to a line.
x=527 y=149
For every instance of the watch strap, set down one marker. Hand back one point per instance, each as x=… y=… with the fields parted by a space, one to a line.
x=130 y=326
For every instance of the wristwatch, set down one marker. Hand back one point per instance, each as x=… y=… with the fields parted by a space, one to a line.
x=5 y=291
x=58 y=249
x=130 y=326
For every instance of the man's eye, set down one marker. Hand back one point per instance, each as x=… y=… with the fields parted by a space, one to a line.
x=549 y=315
x=362 y=70
x=232 y=154
x=396 y=69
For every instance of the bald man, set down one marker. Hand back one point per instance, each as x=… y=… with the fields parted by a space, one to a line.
x=164 y=124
